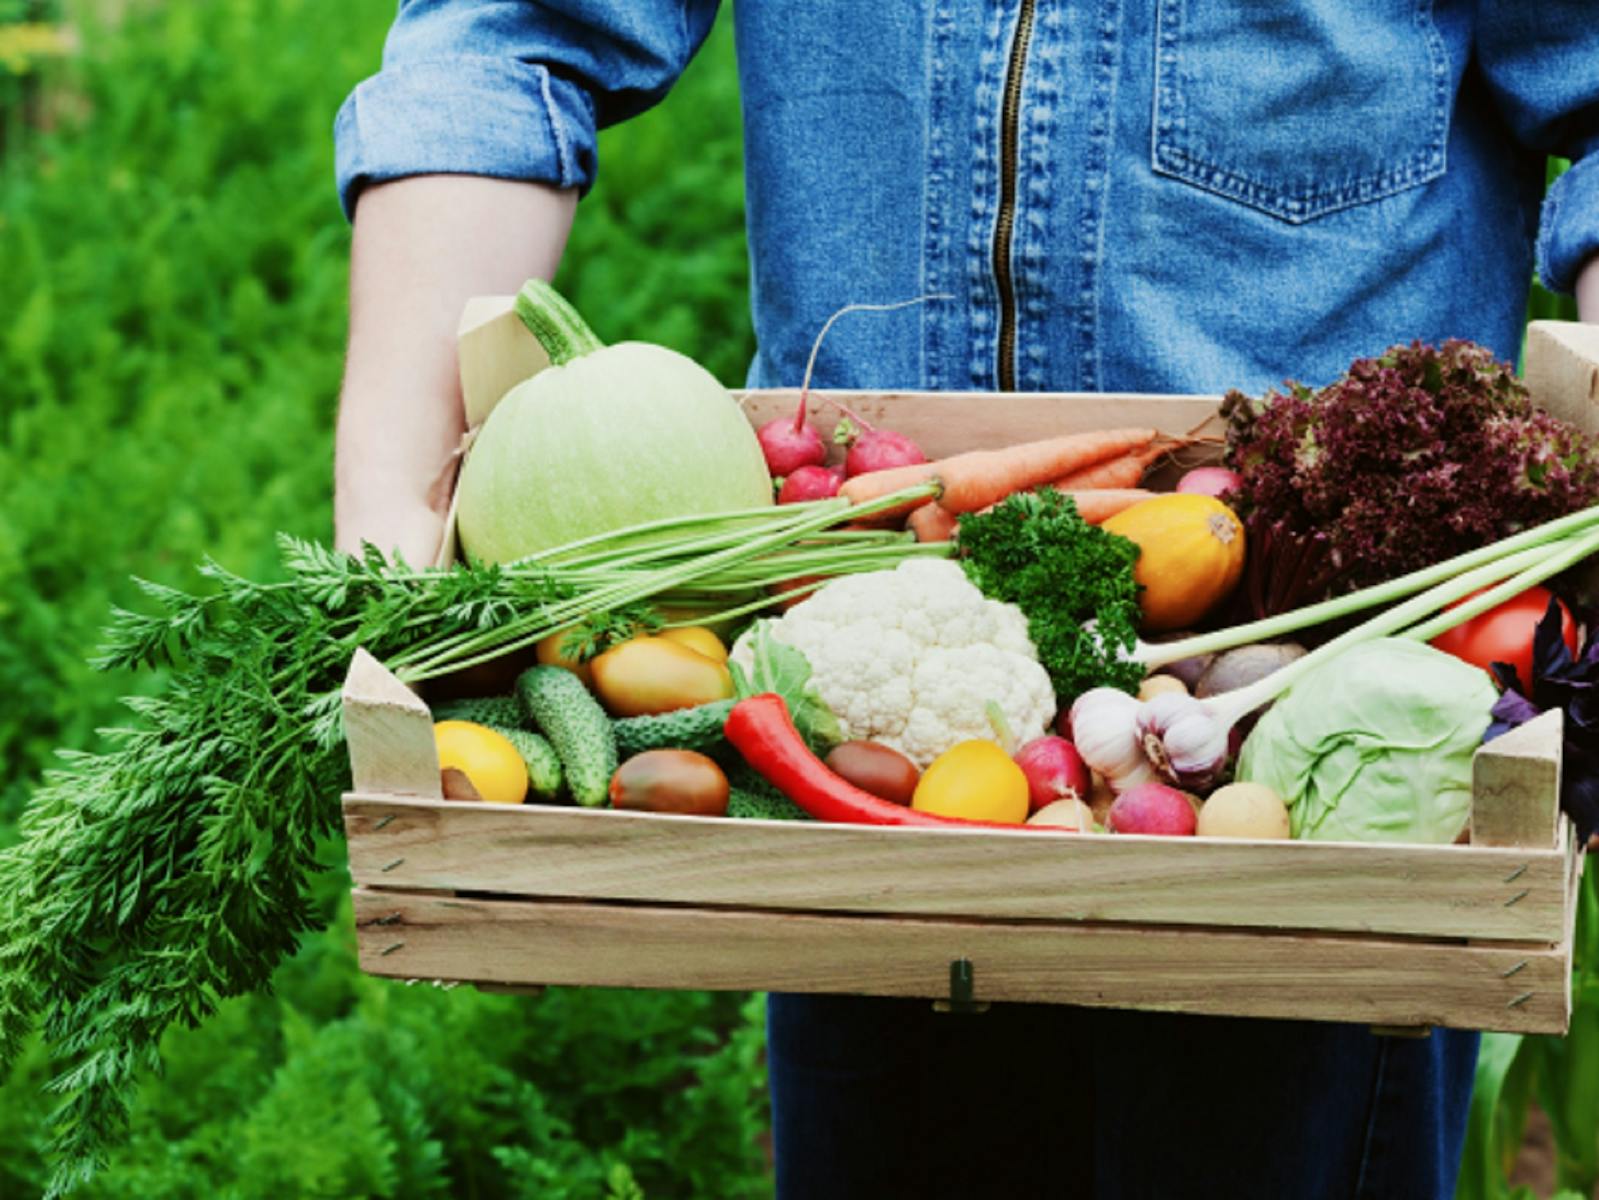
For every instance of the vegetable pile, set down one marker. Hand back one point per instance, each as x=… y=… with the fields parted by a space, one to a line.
x=968 y=641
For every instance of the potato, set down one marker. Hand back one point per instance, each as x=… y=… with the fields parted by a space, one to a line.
x=670 y=781
x=880 y=770
x=1245 y=665
x=551 y=653
x=646 y=675
x=697 y=638
x=1065 y=814
x=1156 y=685
x=1244 y=810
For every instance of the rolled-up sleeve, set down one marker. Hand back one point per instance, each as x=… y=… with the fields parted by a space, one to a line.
x=514 y=89
x=1542 y=63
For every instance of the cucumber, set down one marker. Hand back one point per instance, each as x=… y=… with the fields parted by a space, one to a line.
x=558 y=703
x=698 y=728
x=750 y=795
x=543 y=764
x=502 y=712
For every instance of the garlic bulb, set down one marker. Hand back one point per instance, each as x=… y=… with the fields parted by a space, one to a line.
x=1183 y=739
x=1105 y=731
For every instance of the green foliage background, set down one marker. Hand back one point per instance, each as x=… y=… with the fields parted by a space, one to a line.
x=172 y=311
x=172 y=279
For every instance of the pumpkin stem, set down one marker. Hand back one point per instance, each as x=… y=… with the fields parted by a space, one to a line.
x=551 y=318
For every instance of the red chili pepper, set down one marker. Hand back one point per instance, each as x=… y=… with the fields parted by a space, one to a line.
x=761 y=730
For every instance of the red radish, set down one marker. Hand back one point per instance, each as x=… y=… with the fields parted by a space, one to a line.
x=791 y=444
x=871 y=448
x=1210 y=481
x=1054 y=770
x=810 y=483
x=1153 y=808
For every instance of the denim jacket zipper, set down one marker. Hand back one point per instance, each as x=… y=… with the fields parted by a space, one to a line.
x=1005 y=220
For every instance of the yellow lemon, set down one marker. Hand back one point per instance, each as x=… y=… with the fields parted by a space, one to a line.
x=487 y=759
x=975 y=780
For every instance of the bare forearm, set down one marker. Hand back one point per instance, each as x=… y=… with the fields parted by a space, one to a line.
x=422 y=247
x=1588 y=291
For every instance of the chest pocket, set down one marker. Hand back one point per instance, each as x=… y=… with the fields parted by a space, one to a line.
x=1300 y=107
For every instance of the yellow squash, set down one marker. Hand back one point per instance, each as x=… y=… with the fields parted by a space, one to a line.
x=1191 y=554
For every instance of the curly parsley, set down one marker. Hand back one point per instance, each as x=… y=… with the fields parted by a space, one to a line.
x=1033 y=550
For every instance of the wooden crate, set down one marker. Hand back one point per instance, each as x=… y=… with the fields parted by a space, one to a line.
x=1476 y=935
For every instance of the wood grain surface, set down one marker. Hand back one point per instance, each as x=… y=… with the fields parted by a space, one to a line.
x=1446 y=891
x=1515 y=785
x=389 y=732
x=1367 y=980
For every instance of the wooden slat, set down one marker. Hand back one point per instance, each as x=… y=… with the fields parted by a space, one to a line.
x=1515 y=786
x=944 y=423
x=1366 y=980
x=1441 y=891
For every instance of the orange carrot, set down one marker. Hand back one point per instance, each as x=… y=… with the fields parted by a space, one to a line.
x=1094 y=505
x=932 y=523
x=978 y=478
x=983 y=477
x=1101 y=504
x=1124 y=471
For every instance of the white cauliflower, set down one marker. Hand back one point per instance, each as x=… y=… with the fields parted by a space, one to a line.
x=912 y=657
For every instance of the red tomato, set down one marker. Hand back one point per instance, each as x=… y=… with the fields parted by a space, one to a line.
x=1504 y=634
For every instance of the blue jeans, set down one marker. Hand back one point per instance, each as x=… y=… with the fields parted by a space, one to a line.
x=882 y=1099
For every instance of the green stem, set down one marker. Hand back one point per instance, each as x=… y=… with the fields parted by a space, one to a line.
x=519 y=634
x=1528 y=567
x=1559 y=561
x=1340 y=606
x=700 y=522
x=555 y=323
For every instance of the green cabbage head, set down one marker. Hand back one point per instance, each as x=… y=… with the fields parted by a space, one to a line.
x=1375 y=744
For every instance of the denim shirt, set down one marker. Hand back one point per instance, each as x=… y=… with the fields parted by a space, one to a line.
x=1160 y=196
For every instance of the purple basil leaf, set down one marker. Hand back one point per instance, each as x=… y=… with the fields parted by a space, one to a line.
x=1579 y=793
x=1510 y=710
x=1507 y=677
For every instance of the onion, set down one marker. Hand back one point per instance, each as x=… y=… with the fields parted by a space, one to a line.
x=1210 y=481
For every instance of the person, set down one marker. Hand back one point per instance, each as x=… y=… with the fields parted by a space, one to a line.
x=1121 y=197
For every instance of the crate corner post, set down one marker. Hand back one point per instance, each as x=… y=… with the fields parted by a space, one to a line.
x=1515 y=785
x=494 y=353
x=389 y=732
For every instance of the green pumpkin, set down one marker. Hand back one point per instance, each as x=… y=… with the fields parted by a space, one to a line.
x=604 y=438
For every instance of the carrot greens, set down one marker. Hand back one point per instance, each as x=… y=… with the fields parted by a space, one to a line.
x=170 y=870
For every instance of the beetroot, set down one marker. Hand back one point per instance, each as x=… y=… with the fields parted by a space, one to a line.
x=873 y=449
x=810 y=483
x=1054 y=770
